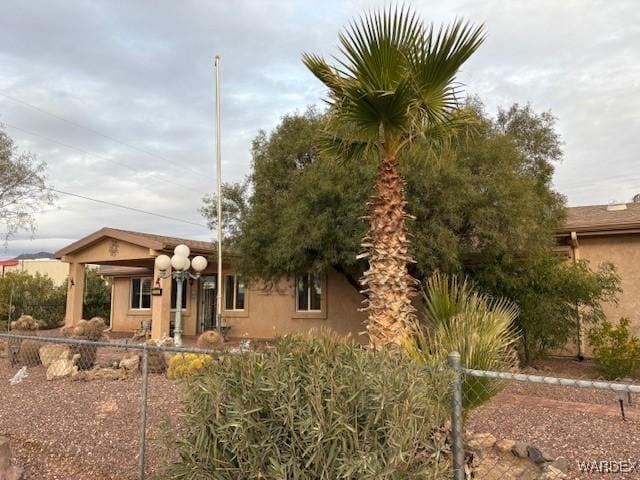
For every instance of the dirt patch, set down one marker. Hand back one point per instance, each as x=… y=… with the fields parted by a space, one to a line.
x=68 y=430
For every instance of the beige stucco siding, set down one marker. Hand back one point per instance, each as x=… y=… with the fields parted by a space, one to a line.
x=624 y=252
x=126 y=319
x=54 y=269
x=272 y=312
x=268 y=313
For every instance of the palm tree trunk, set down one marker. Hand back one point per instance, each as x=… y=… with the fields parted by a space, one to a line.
x=387 y=283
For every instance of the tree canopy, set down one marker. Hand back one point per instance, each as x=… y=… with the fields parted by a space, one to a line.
x=483 y=206
x=23 y=187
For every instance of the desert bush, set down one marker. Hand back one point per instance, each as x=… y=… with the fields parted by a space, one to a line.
x=187 y=365
x=617 y=351
x=30 y=353
x=313 y=408
x=480 y=328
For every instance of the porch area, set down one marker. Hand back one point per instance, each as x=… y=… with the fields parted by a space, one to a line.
x=139 y=294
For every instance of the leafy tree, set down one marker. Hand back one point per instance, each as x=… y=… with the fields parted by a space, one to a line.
x=234 y=208
x=97 y=296
x=552 y=295
x=484 y=206
x=23 y=187
x=34 y=295
x=394 y=84
x=38 y=296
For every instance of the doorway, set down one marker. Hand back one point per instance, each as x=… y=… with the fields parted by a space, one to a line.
x=208 y=300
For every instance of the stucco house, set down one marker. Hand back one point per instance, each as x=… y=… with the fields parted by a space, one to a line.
x=139 y=293
x=597 y=233
x=608 y=233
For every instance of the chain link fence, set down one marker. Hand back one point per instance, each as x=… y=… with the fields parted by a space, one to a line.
x=77 y=409
x=523 y=426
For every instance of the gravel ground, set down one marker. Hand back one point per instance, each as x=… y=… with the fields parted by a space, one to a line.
x=580 y=425
x=77 y=430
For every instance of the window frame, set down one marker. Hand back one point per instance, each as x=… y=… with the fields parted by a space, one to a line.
x=235 y=277
x=141 y=280
x=309 y=310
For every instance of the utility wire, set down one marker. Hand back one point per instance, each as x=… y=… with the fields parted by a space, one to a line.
x=96 y=132
x=91 y=154
x=118 y=205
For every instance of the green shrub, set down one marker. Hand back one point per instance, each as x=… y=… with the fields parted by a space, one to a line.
x=312 y=408
x=478 y=327
x=615 y=349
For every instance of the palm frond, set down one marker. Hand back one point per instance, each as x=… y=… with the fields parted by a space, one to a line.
x=394 y=78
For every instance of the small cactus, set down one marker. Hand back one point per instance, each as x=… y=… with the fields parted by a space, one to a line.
x=25 y=322
x=209 y=340
x=92 y=330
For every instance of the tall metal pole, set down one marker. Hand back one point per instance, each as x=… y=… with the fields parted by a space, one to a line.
x=219 y=195
x=177 y=328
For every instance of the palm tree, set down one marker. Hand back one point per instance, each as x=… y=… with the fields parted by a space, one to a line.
x=394 y=83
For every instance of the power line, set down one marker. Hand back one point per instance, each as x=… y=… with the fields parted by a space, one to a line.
x=96 y=132
x=91 y=154
x=133 y=209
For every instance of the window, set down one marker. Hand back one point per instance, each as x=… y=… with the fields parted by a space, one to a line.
x=174 y=294
x=234 y=292
x=140 y=293
x=309 y=293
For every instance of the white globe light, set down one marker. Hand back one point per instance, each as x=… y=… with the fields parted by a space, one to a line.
x=163 y=262
x=199 y=263
x=177 y=262
x=187 y=264
x=182 y=250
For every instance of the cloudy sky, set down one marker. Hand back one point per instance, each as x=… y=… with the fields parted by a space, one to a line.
x=118 y=96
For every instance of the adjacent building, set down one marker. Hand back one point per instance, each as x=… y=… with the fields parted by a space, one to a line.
x=608 y=233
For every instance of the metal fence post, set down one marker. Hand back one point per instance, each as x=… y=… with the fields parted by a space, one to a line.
x=143 y=412
x=457 y=444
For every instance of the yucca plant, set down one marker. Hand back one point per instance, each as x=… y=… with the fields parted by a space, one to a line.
x=481 y=328
x=394 y=83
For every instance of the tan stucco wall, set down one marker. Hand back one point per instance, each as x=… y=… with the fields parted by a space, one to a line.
x=126 y=319
x=54 y=269
x=268 y=313
x=272 y=313
x=624 y=252
x=107 y=251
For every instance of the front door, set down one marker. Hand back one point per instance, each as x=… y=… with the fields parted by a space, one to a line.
x=208 y=297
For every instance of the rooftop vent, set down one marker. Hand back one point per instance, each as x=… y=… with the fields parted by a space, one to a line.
x=615 y=207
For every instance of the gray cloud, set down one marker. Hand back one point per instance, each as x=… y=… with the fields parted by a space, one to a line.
x=142 y=72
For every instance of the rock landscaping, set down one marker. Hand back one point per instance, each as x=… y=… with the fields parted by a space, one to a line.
x=506 y=459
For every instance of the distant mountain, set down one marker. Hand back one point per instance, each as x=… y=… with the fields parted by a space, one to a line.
x=31 y=256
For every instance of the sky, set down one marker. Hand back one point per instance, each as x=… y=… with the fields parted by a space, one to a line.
x=118 y=97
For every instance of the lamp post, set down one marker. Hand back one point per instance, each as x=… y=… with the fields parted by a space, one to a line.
x=181 y=264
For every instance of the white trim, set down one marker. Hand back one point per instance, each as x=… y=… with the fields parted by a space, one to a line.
x=139 y=308
x=309 y=287
x=235 y=294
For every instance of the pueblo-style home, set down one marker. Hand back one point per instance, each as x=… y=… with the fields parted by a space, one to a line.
x=139 y=294
x=598 y=233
